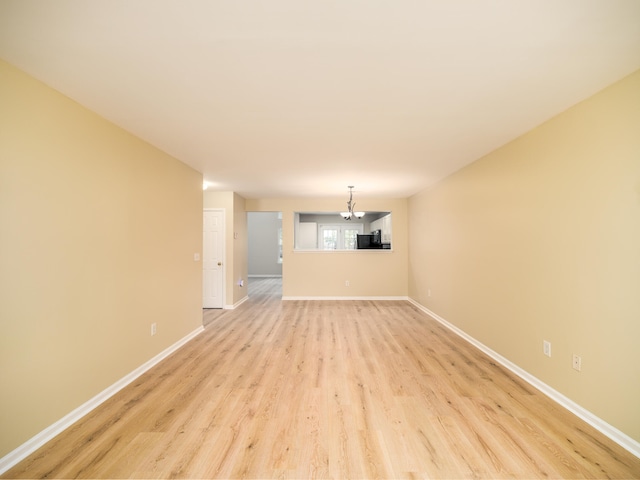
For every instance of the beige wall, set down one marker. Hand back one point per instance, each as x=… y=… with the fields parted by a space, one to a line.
x=323 y=274
x=541 y=240
x=97 y=241
x=240 y=248
x=236 y=262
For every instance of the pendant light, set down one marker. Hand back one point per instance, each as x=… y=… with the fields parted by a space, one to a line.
x=349 y=214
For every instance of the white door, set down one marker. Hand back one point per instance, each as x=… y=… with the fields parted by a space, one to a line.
x=212 y=259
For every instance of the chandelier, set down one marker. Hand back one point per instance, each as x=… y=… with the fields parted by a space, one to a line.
x=349 y=214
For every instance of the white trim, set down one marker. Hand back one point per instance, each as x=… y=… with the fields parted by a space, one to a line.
x=603 y=427
x=346 y=298
x=237 y=304
x=35 y=442
x=268 y=275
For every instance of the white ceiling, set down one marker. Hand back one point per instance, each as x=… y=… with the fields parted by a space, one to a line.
x=300 y=98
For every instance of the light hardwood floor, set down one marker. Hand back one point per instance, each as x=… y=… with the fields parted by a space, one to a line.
x=328 y=389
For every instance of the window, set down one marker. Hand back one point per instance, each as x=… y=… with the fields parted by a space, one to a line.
x=338 y=237
x=350 y=237
x=328 y=238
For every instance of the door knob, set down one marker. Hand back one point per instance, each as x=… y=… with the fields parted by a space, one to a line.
x=219 y=263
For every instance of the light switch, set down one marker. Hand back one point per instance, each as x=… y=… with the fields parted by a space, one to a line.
x=196 y=257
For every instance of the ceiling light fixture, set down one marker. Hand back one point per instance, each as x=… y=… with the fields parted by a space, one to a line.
x=349 y=214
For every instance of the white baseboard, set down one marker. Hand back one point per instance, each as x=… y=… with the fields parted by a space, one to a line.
x=605 y=428
x=237 y=304
x=35 y=442
x=346 y=298
x=251 y=275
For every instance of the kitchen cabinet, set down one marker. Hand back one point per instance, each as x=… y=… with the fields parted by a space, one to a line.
x=384 y=225
x=307 y=235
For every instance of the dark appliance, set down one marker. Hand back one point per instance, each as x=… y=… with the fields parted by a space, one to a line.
x=377 y=238
x=370 y=241
x=364 y=241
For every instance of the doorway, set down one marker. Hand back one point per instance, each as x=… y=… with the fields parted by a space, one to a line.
x=264 y=233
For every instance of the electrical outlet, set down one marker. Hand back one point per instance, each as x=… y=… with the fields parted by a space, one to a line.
x=347 y=283
x=577 y=362
x=153 y=329
x=546 y=348
x=428 y=292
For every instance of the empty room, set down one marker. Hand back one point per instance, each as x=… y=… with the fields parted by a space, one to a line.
x=297 y=240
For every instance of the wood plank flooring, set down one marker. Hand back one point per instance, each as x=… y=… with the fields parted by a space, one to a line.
x=328 y=389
